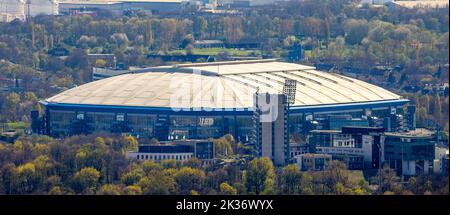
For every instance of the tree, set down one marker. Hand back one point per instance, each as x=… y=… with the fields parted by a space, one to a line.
x=226 y=189
x=389 y=179
x=25 y=179
x=132 y=190
x=233 y=29
x=193 y=162
x=260 y=176
x=148 y=36
x=167 y=32
x=306 y=184
x=100 y=63
x=56 y=191
x=187 y=41
x=120 y=39
x=223 y=146
x=391 y=78
x=412 y=185
x=290 y=178
x=11 y=105
x=133 y=176
x=312 y=27
x=355 y=31
x=437 y=112
x=109 y=189
x=85 y=179
x=200 y=26
x=150 y=167
x=157 y=184
x=127 y=143
x=189 y=179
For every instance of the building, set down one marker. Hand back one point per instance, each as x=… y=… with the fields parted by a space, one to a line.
x=38 y=7
x=411 y=117
x=109 y=59
x=440 y=163
x=20 y=9
x=178 y=150
x=336 y=122
x=200 y=44
x=206 y=100
x=162 y=152
x=101 y=73
x=12 y=9
x=271 y=136
x=298 y=149
x=295 y=53
x=410 y=153
x=358 y=147
x=122 y=6
x=375 y=2
x=444 y=164
x=422 y=4
x=312 y=162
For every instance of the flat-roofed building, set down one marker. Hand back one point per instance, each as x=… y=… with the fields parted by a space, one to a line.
x=358 y=147
x=122 y=6
x=180 y=150
x=312 y=162
x=424 y=4
x=410 y=153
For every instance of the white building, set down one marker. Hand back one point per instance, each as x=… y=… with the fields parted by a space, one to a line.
x=375 y=2
x=182 y=156
x=36 y=7
x=20 y=9
x=12 y=9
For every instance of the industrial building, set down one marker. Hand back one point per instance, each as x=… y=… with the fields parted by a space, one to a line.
x=20 y=9
x=121 y=6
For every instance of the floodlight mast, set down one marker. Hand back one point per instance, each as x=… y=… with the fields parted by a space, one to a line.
x=289 y=90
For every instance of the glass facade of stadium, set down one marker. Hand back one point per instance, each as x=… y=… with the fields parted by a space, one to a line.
x=62 y=120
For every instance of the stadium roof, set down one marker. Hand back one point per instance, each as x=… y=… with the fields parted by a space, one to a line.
x=221 y=85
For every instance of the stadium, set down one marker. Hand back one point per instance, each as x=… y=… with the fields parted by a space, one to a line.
x=202 y=100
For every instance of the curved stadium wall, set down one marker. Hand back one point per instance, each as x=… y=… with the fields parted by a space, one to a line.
x=197 y=101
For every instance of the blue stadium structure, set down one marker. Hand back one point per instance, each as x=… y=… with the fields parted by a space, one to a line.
x=202 y=100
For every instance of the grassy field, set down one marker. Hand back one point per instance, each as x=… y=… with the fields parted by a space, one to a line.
x=17 y=125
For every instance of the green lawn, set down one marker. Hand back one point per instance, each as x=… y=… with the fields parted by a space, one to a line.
x=17 y=125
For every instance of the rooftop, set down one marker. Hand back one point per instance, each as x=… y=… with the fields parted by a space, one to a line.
x=419 y=132
x=422 y=3
x=311 y=155
x=222 y=85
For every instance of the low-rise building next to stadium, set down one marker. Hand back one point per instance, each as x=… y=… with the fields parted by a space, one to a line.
x=203 y=100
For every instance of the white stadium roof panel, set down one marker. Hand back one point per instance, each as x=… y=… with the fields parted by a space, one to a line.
x=221 y=85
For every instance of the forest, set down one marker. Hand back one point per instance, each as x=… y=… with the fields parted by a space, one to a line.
x=96 y=164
